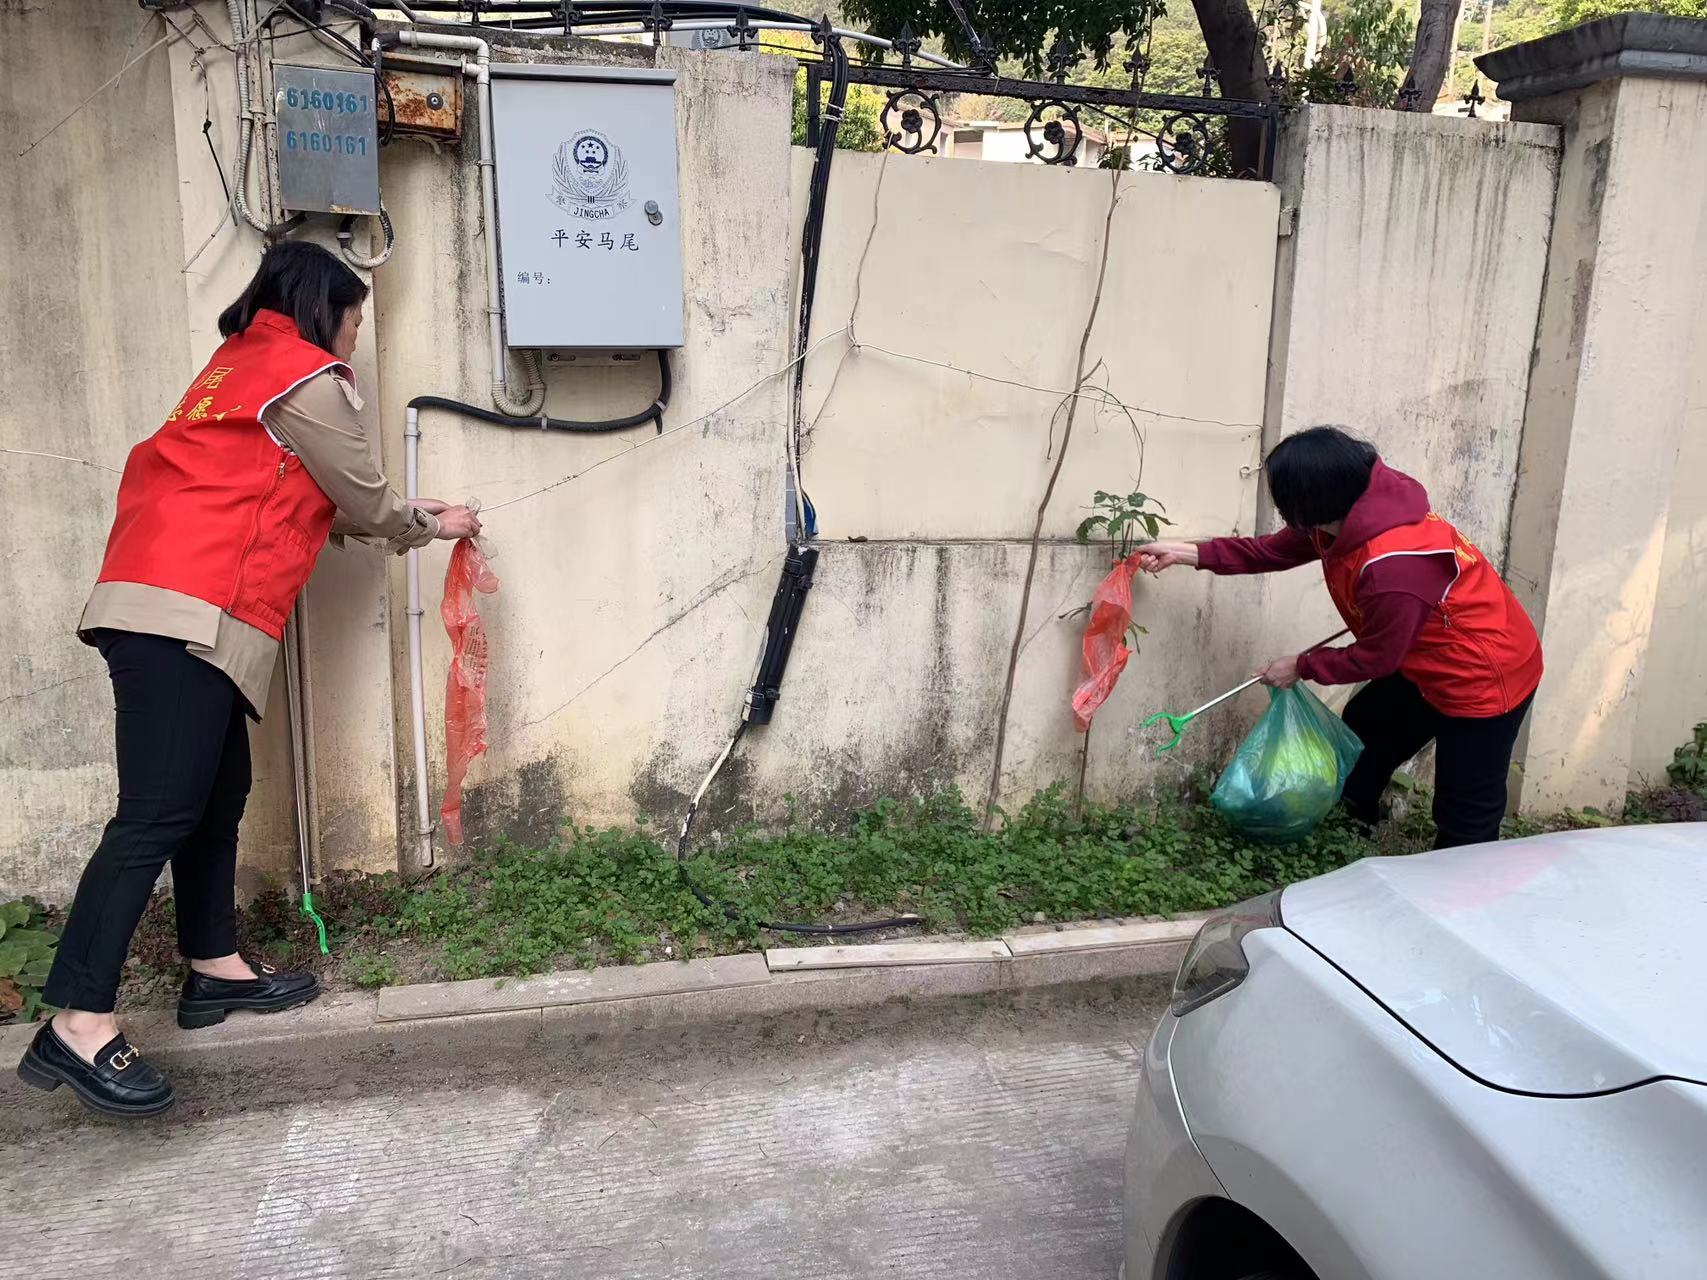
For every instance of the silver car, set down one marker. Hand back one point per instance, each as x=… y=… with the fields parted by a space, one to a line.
x=1479 y=1064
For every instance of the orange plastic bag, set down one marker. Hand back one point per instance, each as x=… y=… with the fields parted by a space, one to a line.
x=1105 y=650
x=465 y=687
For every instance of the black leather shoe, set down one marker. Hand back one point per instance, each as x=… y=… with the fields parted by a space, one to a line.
x=206 y=1000
x=119 y=1083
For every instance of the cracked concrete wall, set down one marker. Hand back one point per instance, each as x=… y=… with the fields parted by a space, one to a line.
x=898 y=672
x=1408 y=295
x=632 y=599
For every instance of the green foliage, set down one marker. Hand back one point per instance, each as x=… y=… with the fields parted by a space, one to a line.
x=1373 y=41
x=616 y=895
x=1126 y=520
x=1688 y=767
x=1570 y=13
x=372 y=971
x=1017 y=29
x=612 y=895
x=27 y=948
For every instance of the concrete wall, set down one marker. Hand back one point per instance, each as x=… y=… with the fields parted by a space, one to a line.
x=632 y=600
x=1409 y=290
x=92 y=338
x=99 y=331
x=1611 y=445
x=1674 y=688
x=1391 y=281
x=940 y=471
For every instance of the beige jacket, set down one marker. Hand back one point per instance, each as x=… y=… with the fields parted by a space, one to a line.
x=320 y=422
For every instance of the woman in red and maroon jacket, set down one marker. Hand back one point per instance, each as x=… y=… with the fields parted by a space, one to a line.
x=221 y=514
x=1449 y=655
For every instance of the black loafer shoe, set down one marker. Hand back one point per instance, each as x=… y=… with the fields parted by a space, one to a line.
x=206 y=1000
x=119 y=1083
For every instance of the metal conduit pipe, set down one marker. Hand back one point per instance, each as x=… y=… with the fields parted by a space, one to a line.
x=245 y=116
x=417 y=677
x=480 y=71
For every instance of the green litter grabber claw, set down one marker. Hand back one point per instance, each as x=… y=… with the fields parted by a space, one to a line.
x=1178 y=723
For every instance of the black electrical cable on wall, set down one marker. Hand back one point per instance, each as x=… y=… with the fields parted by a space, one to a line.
x=544 y=422
x=796 y=578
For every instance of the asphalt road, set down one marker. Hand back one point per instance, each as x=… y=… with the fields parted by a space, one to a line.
x=970 y=1139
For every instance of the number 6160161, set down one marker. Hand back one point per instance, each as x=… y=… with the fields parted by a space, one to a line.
x=325 y=100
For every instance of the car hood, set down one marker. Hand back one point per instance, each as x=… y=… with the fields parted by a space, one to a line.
x=1567 y=964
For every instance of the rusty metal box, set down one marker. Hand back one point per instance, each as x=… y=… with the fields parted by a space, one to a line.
x=327 y=139
x=424 y=102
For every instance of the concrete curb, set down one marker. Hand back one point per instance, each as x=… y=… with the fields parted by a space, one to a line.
x=499 y=1014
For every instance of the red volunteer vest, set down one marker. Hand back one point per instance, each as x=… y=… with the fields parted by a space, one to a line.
x=211 y=505
x=1478 y=654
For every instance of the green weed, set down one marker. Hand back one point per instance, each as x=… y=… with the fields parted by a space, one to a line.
x=27 y=948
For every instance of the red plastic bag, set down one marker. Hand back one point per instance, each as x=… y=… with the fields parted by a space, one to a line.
x=1105 y=650
x=465 y=687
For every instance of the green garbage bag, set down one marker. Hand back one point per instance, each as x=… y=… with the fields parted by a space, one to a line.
x=1289 y=771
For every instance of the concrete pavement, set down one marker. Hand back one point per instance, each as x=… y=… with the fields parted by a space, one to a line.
x=973 y=1137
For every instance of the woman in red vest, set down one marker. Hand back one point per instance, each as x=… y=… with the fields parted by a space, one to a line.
x=221 y=515
x=1448 y=653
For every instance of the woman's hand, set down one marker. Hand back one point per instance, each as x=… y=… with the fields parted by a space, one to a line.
x=432 y=506
x=457 y=522
x=1156 y=556
x=1282 y=673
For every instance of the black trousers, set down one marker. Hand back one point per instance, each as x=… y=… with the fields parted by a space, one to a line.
x=183 y=764
x=1472 y=758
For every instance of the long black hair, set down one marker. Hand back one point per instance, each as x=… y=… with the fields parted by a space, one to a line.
x=306 y=283
x=1316 y=475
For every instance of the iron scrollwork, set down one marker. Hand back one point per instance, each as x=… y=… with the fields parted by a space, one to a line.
x=1183 y=143
x=1189 y=131
x=912 y=121
x=1053 y=132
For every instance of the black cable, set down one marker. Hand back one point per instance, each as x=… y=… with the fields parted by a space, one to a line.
x=384 y=89
x=654 y=414
x=812 y=236
x=207 y=126
x=356 y=9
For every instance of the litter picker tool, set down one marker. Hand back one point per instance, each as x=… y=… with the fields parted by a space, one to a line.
x=1178 y=723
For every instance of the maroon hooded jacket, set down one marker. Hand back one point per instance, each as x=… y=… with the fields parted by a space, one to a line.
x=1397 y=600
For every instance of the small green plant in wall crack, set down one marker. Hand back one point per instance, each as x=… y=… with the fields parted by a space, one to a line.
x=26 y=954
x=1126 y=521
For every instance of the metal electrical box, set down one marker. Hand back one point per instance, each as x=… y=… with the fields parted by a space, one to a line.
x=328 y=139
x=588 y=229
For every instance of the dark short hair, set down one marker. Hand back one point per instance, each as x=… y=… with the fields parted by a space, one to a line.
x=1316 y=475
x=306 y=283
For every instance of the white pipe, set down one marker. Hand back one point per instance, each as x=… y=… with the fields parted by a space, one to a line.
x=310 y=775
x=417 y=677
x=534 y=401
x=722 y=24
